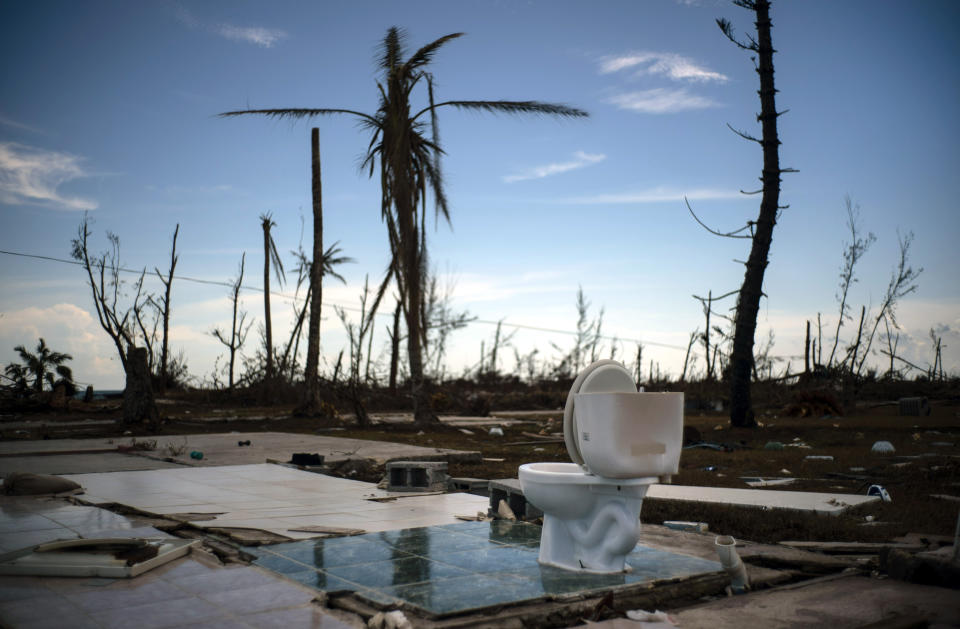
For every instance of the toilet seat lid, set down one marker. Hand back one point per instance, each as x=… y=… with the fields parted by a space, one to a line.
x=603 y=376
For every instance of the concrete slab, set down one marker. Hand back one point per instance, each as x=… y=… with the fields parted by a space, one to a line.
x=824 y=503
x=79 y=463
x=222 y=448
x=274 y=498
x=851 y=601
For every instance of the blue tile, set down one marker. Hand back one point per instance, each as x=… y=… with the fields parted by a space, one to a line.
x=453 y=595
x=326 y=553
x=396 y=572
x=432 y=542
x=653 y=565
x=322 y=581
x=278 y=563
x=493 y=558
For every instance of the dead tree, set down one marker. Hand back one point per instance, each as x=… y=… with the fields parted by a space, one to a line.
x=165 y=309
x=748 y=302
x=103 y=276
x=902 y=283
x=852 y=252
x=271 y=259
x=238 y=333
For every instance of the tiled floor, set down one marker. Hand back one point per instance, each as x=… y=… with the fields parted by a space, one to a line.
x=457 y=567
x=185 y=593
x=26 y=521
x=817 y=502
x=274 y=498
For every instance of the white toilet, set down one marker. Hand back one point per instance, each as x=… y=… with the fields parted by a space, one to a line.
x=621 y=442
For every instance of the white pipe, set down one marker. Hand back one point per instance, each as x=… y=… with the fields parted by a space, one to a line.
x=731 y=562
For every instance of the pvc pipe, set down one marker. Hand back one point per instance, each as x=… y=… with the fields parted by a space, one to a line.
x=731 y=562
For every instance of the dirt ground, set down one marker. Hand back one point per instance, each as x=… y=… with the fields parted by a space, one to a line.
x=922 y=476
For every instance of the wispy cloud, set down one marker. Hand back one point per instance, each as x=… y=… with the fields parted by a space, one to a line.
x=673 y=66
x=652 y=195
x=29 y=175
x=661 y=100
x=13 y=124
x=580 y=160
x=263 y=37
x=257 y=35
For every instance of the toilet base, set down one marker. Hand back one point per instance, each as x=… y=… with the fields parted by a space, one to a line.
x=598 y=543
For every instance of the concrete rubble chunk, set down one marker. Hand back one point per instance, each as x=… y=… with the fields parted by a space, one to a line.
x=417 y=476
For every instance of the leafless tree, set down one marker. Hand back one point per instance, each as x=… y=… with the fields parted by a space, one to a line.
x=238 y=331
x=165 y=309
x=852 y=252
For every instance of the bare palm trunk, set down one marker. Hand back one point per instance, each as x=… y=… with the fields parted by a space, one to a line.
x=268 y=332
x=311 y=402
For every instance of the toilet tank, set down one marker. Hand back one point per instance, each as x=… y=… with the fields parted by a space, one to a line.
x=628 y=435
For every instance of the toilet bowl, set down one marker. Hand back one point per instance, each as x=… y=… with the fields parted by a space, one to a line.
x=621 y=442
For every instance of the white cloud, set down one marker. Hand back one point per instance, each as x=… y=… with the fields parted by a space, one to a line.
x=661 y=100
x=264 y=37
x=257 y=35
x=671 y=65
x=652 y=195
x=539 y=172
x=29 y=175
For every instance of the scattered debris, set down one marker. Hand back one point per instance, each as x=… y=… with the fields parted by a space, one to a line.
x=758 y=481
x=504 y=511
x=27 y=484
x=466 y=431
x=653 y=618
x=337 y=531
x=709 y=468
x=389 y=620
x=914 y=406
x=942 y=444
x=681 y=525
x=306 y=459
x=727 y=552
x=878 y=490
x=883 y=447
x=480 y=517
x=196 y=454
x=818 y=457
x=853 y=548
x=492 y=460
x=496 y=431
x=111 y=558
x=945 y=497
x=718 y=427
x=773 y=445
x=243 y=443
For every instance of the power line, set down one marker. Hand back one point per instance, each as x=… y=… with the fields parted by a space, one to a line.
x=294 y=298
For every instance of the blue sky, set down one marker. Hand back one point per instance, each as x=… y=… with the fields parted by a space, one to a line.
x=109 y=108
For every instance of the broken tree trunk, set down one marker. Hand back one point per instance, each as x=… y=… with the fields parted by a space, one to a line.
x=138 y=403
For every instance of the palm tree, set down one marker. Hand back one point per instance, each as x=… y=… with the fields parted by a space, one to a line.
x=270 y=258
x=409 y=163
x=43 y=363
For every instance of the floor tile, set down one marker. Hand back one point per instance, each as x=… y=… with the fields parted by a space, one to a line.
x=274 y=595
x=139 y=593
x=223 y=580
x=460 y=593
x=188 y=611
x=306 y=616
x=322 y=581
x=490 y=559
x=397 y=572
x=49 y=611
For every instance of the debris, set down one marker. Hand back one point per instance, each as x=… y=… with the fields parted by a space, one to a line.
x=504 y=510
x=853 y=548
x=657 y=617
x=785 y=471
x=27 y=484
x=389 y=620
x=466 y=431
x=496 y=431
x=709 y=468
x=757 y=481
x=681 y=525
x=328 y=530
x=878 y=490
x=946 y=497
x=718 y=427
x=837 y=503
x=719 y=447
x=243 y=443
x=305 y=459
x=818 y=457
x=538 y=449
x=858 y=469
x=883 y=447
x=942 y=444
x=480 y=517
x=196 y=454
x=914 y=406
x=773 y=445
x=111 y=558
x=731 y=562
x=492 y=460
x=868 y=518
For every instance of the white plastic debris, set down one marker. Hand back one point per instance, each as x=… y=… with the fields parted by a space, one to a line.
x=389 y=620
x=659 y=617
x=883 y=447
x=496 y=431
